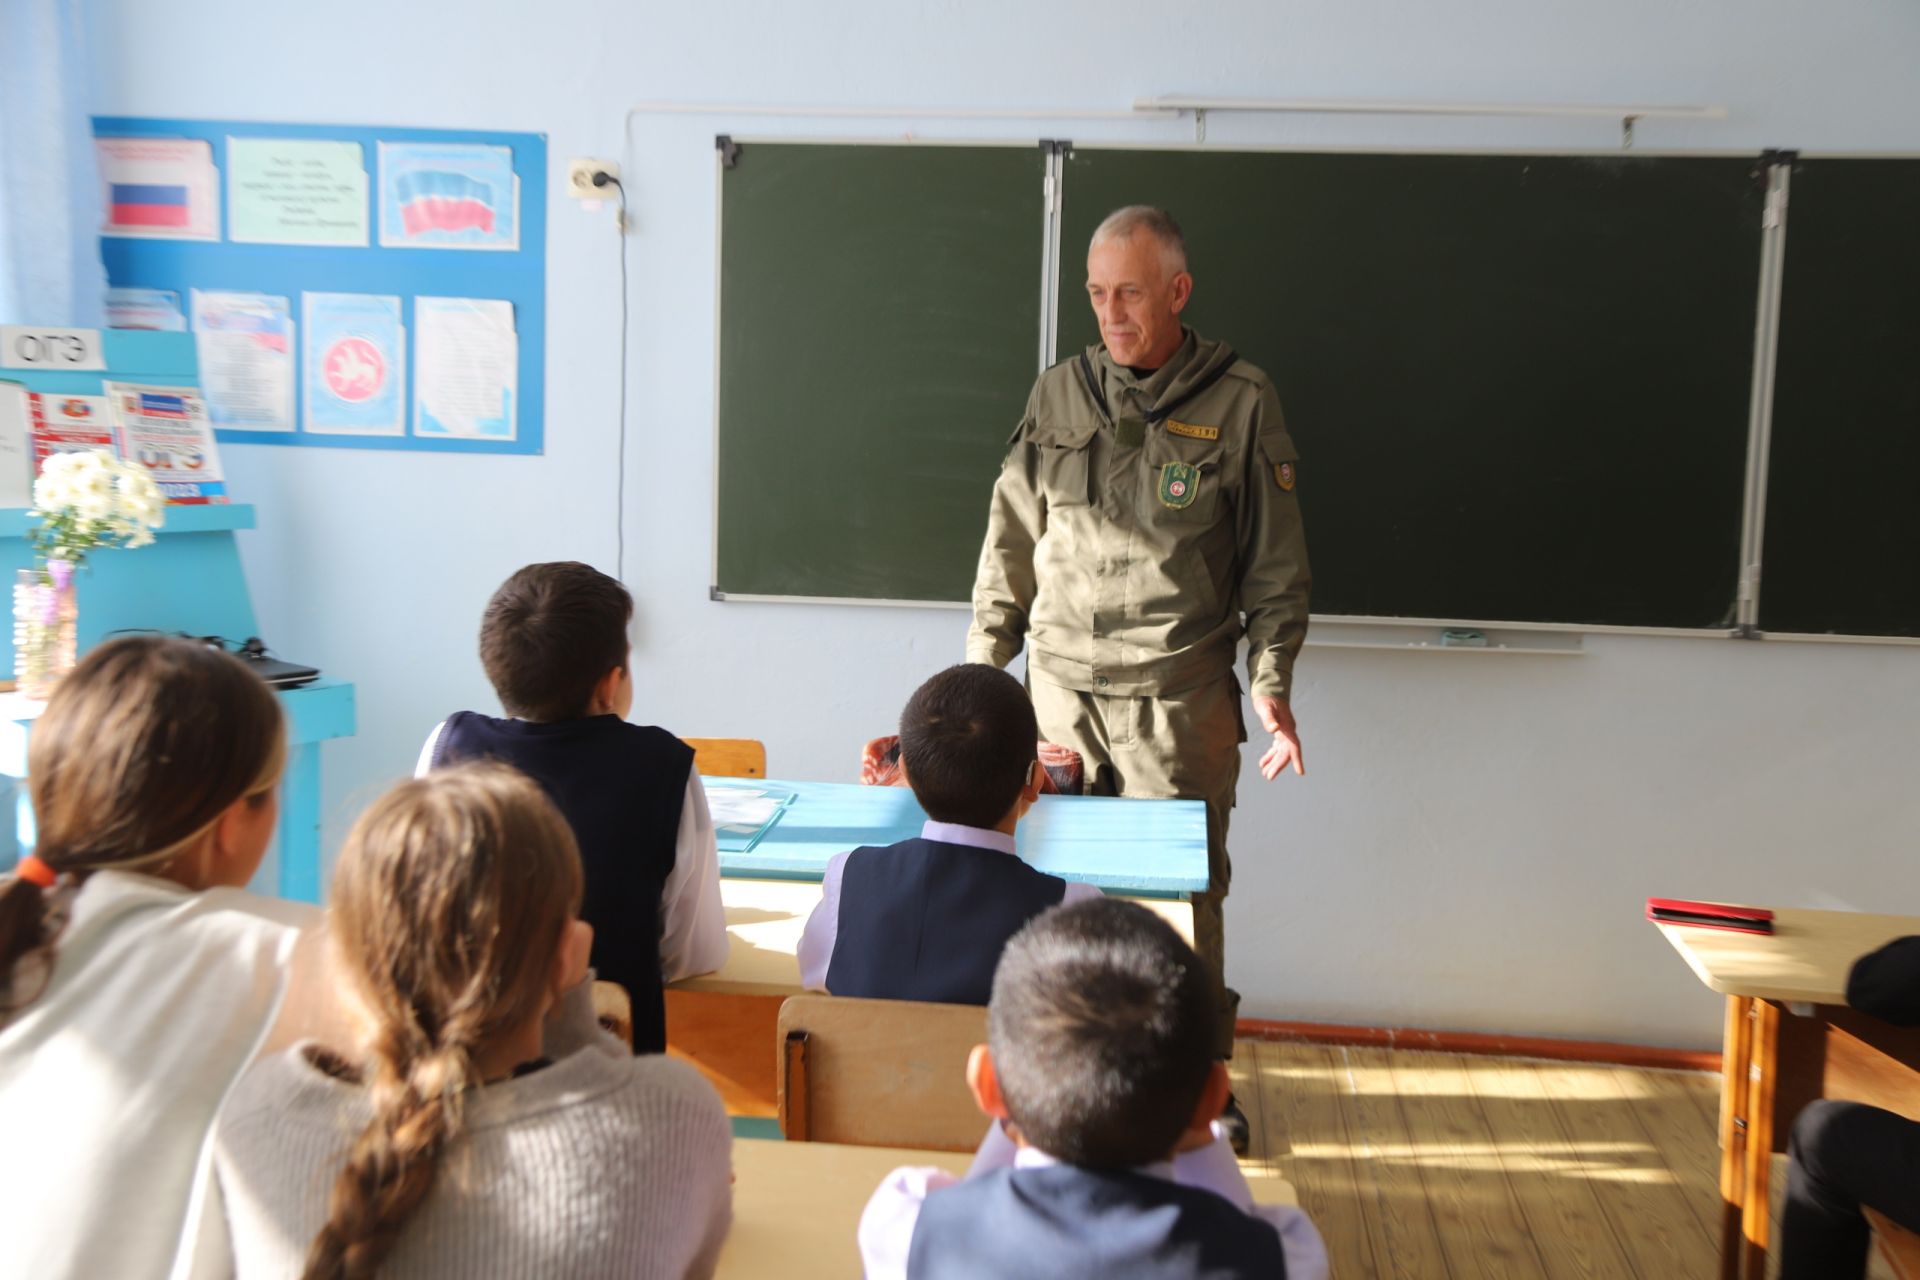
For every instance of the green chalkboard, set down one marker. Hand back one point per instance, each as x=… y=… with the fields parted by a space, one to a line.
x=879 y=331
x=1519 y=383
x=1841 y=552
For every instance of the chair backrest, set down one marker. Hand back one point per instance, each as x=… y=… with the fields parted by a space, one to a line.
x=1899 y=1246
x=614 y=1009
x=880 y=1073
x=728 y=757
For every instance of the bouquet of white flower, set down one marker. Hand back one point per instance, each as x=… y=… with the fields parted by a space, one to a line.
x=88 y=500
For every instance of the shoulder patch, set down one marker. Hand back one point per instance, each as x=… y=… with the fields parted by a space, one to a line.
x=1191 y=431
x=1285 y=476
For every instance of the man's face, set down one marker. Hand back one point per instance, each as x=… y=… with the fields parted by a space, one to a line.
x=1137 y=299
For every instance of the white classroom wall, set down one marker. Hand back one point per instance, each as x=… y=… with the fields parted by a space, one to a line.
x=1476 y=836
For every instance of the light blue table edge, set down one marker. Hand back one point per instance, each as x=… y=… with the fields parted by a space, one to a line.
x=758 y=864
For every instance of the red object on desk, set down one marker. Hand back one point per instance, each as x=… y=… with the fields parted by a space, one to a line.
x=1709 y=915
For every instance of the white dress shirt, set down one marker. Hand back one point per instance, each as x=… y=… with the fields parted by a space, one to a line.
x=823 y=926
x=693 y=921
x=886 y=1225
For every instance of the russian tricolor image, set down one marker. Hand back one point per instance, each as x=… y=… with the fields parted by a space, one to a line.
x=148 y=204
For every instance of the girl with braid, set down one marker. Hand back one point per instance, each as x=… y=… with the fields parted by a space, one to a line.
x=137 y=979
x=486 y=1125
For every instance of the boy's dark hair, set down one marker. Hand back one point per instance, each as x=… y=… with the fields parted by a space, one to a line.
x=968 y=738
x=550 y=634
x=1101 y=1026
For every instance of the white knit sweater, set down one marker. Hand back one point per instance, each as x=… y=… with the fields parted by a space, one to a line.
x=600 y=1164
x=155 y=1000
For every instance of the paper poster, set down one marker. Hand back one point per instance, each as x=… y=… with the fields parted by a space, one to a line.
x=355 y=364
x=145 y=309
x=444 y=195
x=159 y=188
x=466 y=368
x=245 y=342
x=71 y=424
x=16 y=445
x=296 y=191
x=165 y=430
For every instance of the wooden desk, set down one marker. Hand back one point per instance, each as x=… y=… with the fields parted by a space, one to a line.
x=1790 y=1039
x=727 y=1023
x=796 y=1205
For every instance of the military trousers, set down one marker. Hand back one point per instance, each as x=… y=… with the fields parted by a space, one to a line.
x=1184 y=746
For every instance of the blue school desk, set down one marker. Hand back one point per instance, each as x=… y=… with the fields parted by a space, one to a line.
x=188 y=580
x=1139 y=849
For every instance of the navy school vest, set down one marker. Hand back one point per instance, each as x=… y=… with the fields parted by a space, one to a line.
x=927 y=920
x=1065 y=1223
x=621 y=787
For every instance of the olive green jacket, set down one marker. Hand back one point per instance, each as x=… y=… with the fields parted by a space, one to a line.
x=1127 y=538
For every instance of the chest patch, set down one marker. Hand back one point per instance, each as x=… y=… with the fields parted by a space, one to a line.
x=1179 y=484
x=1192 y=432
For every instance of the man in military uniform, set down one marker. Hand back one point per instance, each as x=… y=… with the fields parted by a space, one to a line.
x=1147 y=503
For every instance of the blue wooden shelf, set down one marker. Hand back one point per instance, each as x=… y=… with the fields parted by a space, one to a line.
x=180 y=519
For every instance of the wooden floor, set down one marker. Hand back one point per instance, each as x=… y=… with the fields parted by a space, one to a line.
x=1437 y=1166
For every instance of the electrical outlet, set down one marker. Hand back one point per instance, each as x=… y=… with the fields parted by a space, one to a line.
x=580 y=175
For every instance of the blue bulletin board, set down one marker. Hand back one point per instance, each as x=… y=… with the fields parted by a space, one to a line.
x=480 y=235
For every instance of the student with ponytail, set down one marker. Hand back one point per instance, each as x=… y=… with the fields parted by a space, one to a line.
x=137 y=978
x=485 y=1125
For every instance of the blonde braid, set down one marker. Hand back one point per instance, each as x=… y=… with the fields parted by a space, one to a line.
x=418 y=1093
x=450 y=898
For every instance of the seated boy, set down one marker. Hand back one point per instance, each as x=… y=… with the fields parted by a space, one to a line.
x=554 y=643
x=925 y=919
x=1846 y=1154
x=1099 y=1063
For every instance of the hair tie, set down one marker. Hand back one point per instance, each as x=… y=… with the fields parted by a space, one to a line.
x=31 y=868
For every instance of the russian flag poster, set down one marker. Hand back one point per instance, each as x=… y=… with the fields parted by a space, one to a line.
x=159 y=188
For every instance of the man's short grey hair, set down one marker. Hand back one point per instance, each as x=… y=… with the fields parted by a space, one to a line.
x=1121 y=224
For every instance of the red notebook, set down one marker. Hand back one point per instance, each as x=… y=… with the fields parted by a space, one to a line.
x=1709 y=915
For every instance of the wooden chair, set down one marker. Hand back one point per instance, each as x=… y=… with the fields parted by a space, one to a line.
x=614 y=1009
x=728 y=757
x=879 y=1073
x=1899 y=1246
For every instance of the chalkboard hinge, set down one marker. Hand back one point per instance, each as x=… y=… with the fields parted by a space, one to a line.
x=729 y=150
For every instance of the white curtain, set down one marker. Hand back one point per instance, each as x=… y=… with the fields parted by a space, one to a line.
x=50 y=270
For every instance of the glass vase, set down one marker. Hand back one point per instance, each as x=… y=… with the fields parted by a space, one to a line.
x=46 y=623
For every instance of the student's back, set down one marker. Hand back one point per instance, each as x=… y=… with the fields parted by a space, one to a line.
x=926 y=918
x=554 y=643
x=487 y=1126
x=131 y=999
x=622 y=788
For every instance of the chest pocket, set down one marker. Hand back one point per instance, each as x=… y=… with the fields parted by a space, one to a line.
x=1063 y=469
x=1182 y=480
